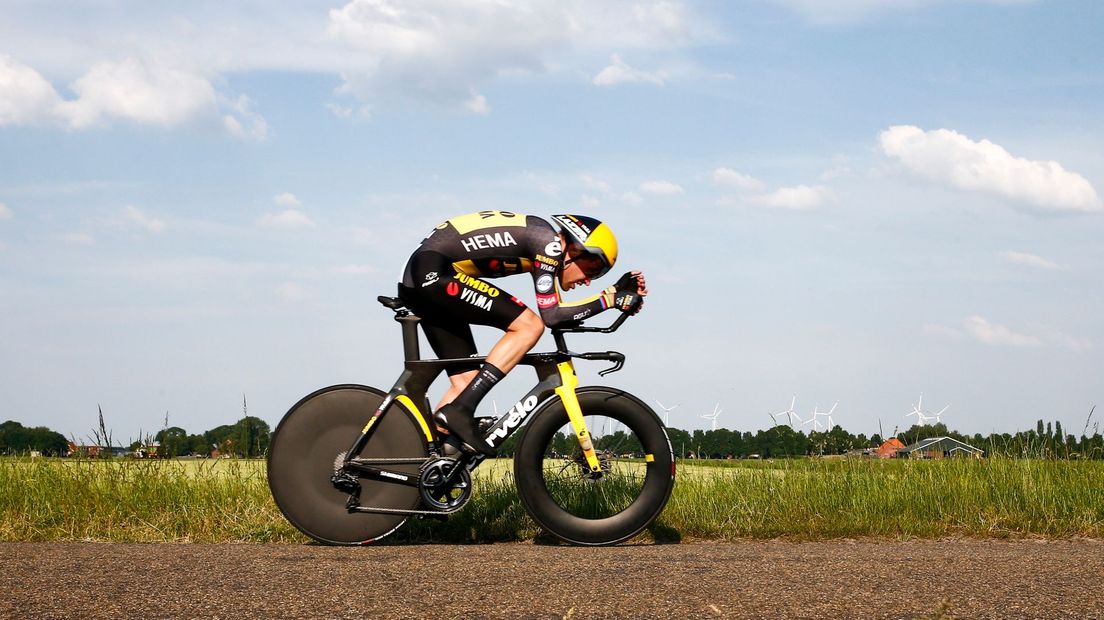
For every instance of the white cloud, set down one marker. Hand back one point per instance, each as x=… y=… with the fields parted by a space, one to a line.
x=242 y=121
x=728 y=177
x=133 y=216
x=477 y=104
x=632 y=199
x=134 y=90
x=982 y=330
x=598 y=185
x=291 y=292
x=5 y=212
x=590 y=202
x=800 y=198
x=1031 y=260
x=288 y=219
x=618 y=72
x=836 y=11
x=442 y=50
x=144 y=92
x=992 y=334
x=950 y=158
x=286 y=199
x=26 y=98
x=662 y=188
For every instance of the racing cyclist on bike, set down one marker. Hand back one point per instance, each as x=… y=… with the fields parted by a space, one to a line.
x=443 y=283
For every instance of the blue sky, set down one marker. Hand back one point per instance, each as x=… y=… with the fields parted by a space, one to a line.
x=852 y=200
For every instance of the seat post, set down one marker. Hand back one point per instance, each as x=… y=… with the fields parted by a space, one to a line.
x=409 y=324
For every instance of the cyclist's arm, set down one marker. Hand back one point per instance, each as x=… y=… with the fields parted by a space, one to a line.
x=555 y=311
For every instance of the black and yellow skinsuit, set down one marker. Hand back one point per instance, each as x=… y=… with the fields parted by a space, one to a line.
x=444 y=280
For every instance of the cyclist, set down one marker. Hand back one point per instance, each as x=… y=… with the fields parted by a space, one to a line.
x=443 y=282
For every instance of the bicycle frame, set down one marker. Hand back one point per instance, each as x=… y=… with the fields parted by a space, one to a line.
x=555 y=378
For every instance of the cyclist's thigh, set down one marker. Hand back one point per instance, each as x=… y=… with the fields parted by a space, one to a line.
x=449 y=302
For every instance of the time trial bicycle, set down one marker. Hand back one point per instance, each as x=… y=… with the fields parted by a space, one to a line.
x=349 y=464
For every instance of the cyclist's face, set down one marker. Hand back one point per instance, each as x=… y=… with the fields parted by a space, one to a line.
x=579 y=268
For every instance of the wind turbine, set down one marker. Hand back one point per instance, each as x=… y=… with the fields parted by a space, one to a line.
x=829 y=415
x=813 y=418
x=666 y=412
x=712 y=416
x=790 y=414
x=924 y=417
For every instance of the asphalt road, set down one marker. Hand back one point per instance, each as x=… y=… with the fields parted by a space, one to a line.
x=756 y=579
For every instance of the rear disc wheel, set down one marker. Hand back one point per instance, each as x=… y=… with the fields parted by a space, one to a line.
x=301 y=460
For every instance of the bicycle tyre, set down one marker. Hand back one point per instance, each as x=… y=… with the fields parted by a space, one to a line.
x=555 y=489
x=301 y=457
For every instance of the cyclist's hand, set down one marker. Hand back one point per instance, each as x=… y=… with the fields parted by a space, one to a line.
x=629 y=292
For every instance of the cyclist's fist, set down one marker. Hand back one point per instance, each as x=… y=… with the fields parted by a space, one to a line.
x=629 y=292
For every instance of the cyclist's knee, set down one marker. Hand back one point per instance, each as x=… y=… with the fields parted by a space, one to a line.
x=529 y=325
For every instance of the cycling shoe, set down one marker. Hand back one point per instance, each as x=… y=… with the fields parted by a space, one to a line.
x=461 y=423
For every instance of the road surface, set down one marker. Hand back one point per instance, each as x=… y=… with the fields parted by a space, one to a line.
x=747 y=579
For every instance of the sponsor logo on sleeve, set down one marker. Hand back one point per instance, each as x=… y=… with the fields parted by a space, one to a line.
x=545 y=261
x=554 y=248
x=546 y=301
x=517 y=301
x=430 y=278
x=544 y=283
x=453 y=289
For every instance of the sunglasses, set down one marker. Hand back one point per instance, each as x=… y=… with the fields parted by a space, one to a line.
x=590 y=264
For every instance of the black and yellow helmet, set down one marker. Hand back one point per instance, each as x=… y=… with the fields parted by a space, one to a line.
x=592 y=235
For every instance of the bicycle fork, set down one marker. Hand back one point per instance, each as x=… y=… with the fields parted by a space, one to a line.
x=566 y=392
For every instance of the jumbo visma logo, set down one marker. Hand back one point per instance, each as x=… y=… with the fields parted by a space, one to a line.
x=472 y=289
x=477 y=284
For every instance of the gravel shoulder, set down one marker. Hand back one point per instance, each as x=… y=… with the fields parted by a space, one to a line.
x=747 y=579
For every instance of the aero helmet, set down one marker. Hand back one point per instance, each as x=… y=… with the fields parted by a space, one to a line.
x=593 y=236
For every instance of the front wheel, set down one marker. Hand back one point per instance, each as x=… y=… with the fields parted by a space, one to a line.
x=560 y=492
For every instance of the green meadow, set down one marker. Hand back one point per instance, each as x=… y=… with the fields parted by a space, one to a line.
x=228 y=500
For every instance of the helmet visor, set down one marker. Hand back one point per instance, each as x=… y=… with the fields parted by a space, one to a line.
x=591 y=264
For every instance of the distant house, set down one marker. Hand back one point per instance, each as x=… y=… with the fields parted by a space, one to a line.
x=938 y=448
x=890 y=448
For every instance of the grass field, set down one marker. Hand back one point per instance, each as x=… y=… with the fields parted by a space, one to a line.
x=228 y=500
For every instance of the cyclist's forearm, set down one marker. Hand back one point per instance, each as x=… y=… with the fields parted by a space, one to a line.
x=564 y=312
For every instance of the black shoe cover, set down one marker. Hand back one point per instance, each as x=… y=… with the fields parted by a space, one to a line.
x=461 y=422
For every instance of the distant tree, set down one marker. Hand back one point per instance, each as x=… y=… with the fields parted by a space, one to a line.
x=173 y=440
x=18 y=439
x=251 y=437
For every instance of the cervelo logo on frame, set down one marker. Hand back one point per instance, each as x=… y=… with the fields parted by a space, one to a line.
x=514 y=417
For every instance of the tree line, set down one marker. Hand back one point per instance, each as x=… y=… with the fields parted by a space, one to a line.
x=250 y=437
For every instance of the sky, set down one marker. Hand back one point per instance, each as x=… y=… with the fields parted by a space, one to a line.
x=852 y=201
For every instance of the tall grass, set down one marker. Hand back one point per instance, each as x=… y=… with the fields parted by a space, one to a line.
x=227 y=500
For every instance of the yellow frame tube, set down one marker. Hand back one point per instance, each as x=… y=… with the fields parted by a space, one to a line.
x=566 y=392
